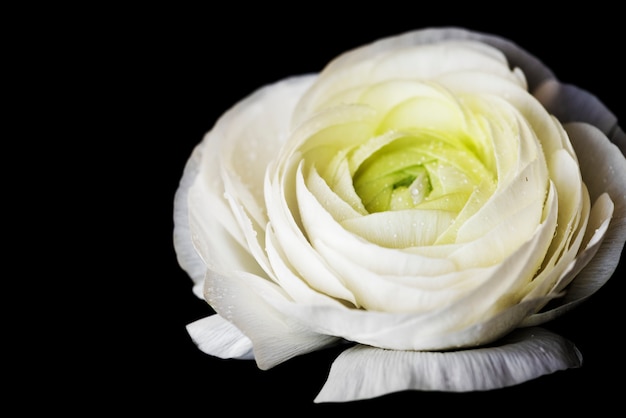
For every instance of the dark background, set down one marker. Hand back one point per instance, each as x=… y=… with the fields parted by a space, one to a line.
x=171 y=74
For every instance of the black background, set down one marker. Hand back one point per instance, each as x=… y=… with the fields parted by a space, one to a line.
x=171 y=74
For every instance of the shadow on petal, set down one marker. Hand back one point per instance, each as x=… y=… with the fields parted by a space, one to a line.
x=363 y=372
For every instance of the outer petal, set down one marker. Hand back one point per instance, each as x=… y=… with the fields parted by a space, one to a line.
x=365 y=372
x=248 y=137
x=216 y=336
x=380 y=61
x=534 y=71
x=573 y=104
x=603 y=167
x=186 y=254
x=276 y=338
x=223 y=209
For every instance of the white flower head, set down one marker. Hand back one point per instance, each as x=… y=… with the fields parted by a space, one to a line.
x=428 y=192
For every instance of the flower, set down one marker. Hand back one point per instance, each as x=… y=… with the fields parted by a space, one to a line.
x=429 y=198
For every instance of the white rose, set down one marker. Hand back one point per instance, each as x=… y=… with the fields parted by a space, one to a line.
x=428 y=192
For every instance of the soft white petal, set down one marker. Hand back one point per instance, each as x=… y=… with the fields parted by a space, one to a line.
x=602 y=164
x=580 y=289
x=604 y=171
x=217 y=337
x=401 y=228
x=252 y=134
x=570 y=103
x=320 y=225
x=390 y=58
x=295 y=247
x=227 y=231
x=213 y=229
x=288 y=278
x=505 y=221
x=534 y=114
x=363 y=372
x=603 y=168
x=558 y=267
x=336 y=206
x=473 y=321
x=440 y=316
x=215 y=234
x=187 y=256
x=242 y=298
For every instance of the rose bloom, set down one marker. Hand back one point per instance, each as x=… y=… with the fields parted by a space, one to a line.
x=429 y=198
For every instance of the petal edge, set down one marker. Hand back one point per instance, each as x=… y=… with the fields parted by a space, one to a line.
x=363 y=372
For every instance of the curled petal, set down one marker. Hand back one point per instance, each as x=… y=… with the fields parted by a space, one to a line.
x=363 y=372
x=242 y=298
x=380 y=61
x=604 y=171
x=217 y=337
x=586 y=285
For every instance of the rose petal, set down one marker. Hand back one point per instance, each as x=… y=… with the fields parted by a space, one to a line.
x=363 y=372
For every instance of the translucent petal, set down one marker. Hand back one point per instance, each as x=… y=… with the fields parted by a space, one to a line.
x=557 y=267
x=401 y=228
x=363 y=372
x=288 y=278
x=574 y=208
x=604 y=171
x=218 y=337
x=386 y=95
x=336 y=206
x=215 y=233
x=186 y=254
x=405 y=293
x=584 y=286
x=295 y=246
x=427 y=113
x=251 y=135
x=572 y=104
x=225 y=238
x=532 y=111
x=242 y=299
x=527 y=192
x=390 y=58
x=480 y=317
x=320 y=225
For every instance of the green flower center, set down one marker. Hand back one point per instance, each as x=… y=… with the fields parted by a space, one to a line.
x=419 y=171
